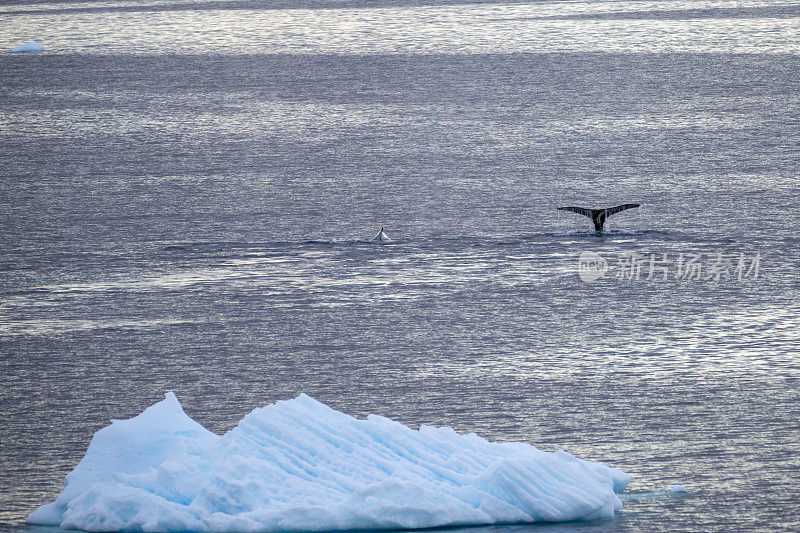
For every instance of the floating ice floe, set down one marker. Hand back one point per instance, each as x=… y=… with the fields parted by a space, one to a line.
x=678 y=489
x=32 y=48
x=300 y=465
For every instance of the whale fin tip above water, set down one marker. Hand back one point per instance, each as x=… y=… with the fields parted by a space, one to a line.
x=381 y=236
x=598 y=216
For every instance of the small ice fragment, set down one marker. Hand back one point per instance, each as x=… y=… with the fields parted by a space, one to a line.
x=679 y=489
x=32 y=48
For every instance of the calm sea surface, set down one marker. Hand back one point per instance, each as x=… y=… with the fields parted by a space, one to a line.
x=188 y=191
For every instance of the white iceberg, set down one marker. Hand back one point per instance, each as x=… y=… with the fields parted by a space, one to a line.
x=299 y=465
x=32 y=48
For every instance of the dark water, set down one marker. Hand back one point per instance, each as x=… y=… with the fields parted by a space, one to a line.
x=200 y=220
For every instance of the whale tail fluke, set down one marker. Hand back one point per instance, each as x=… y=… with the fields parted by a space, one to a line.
x=598 y=216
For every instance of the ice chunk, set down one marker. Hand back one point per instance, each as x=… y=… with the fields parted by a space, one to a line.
x=31 y=47
x=679 y=489
x=127 y=447
x=299 y=465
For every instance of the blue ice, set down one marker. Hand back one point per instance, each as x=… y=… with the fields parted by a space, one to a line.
x=31 y=48
x=300 y=465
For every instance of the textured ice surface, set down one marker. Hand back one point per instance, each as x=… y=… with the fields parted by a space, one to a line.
x=31 y=47
x=299 y=465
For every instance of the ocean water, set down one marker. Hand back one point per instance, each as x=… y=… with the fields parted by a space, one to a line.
x=188 y=192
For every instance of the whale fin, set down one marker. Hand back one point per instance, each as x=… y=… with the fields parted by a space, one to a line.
x=598 y=216
x=612 y=210
x=381 y=236
x=580 y=210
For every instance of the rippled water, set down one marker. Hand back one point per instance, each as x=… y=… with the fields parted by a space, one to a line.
x=188 y=192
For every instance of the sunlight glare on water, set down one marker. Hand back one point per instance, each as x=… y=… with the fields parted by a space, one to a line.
x=465 y=29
